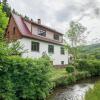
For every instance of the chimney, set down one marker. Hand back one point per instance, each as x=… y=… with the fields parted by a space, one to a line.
x=39 y=21
x=31 y=25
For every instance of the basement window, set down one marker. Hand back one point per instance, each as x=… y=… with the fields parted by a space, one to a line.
x=62 y=62
x=35 y=46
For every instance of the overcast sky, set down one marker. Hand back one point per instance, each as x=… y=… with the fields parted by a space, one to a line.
x=58 y=13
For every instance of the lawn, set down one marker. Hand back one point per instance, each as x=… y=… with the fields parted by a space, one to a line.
x=58 y=73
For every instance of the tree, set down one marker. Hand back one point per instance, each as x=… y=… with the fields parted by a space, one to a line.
x=6 y=7
x=15 y=12
x=75 y=36
x=3 y=22
x=4 y=51
x=16 y=48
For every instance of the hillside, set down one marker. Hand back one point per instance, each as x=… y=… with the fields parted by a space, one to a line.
x=90 y=48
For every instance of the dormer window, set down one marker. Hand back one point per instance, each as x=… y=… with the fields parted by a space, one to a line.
x=41 y=31
x=56 y=36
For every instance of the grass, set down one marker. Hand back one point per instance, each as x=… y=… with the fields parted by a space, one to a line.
x=94 y=94
x=58 y=73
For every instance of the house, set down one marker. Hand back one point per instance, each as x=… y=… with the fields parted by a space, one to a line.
x=38 y=39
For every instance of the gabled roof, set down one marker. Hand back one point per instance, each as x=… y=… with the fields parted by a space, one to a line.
x=26 y=33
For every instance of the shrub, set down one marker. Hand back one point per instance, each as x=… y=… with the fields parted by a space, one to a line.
x=81 y=65
x=82 y=75
x=62 y=81
x=92 y=66
x=71 y=79
x=24 y=79
x=70 y=68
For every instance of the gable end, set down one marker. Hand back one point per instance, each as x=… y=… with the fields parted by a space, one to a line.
x=12 y=32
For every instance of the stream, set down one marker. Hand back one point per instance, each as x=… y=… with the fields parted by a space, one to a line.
x=73 y=92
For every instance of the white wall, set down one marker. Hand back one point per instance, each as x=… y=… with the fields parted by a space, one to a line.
x=56 y=57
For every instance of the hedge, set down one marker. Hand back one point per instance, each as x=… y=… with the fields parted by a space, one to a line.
x=24 y=79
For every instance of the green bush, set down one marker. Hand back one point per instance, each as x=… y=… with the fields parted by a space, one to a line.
x=82 y=75
x=71 y=79
x=92 y=66
x=70 y=68
x=24 y=79
x=62 y=81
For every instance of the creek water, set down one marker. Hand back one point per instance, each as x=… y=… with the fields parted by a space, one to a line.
x=73 y=92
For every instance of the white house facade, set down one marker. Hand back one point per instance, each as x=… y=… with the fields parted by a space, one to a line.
x=37 y=40
x=56 y=56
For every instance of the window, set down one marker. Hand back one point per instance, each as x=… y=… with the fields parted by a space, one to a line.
x=41 y=32
x=56 y=36
x=50 y=48
x=34 y=46
x=62 y=50
x=14 y=29
x=62 y=62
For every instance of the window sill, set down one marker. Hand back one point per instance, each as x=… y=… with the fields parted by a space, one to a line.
x=35 y=51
